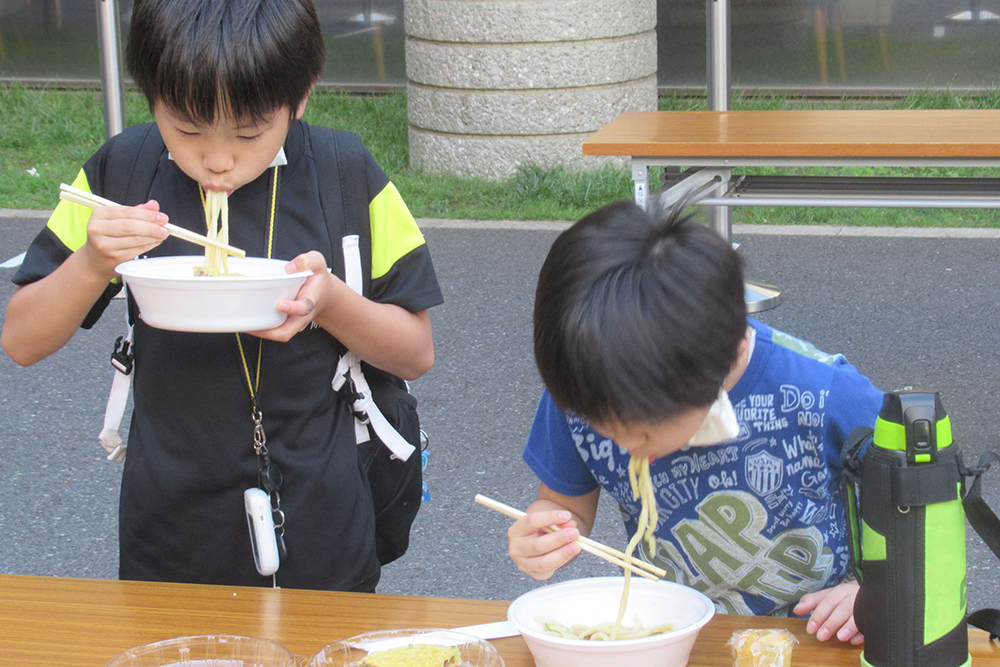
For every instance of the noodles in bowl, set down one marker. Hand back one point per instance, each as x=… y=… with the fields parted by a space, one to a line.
x=592 y=602
x=603 y=631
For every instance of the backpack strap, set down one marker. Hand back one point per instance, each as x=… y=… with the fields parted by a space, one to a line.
x=132 y=166
x=343 y=189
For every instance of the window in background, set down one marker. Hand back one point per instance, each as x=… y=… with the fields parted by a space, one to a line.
x=797 y=45
x=838 y=44
x=56 y=40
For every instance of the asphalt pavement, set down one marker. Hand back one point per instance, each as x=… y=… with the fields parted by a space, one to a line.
x=907 y=310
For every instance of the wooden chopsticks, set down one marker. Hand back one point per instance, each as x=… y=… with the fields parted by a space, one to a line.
x=590 y=546
x=78 y=196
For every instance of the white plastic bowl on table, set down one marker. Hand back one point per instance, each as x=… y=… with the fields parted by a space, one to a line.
x=594 y=601
x=171 y=297
x=207 y=651
x=350 y=652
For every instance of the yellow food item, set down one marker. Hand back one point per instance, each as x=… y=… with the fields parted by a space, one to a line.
x=762 y=648
x=415 y=655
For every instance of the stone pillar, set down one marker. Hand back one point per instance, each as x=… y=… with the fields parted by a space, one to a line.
x=494 y=84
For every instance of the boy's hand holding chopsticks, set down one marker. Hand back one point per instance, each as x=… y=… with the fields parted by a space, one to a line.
x=551 y=552
x=120 y=233
x=117 y=234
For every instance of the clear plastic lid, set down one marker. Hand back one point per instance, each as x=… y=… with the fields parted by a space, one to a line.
x=207 y=651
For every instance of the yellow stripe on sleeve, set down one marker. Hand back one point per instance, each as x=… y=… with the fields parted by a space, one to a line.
x=394 y=232
x=69 y=221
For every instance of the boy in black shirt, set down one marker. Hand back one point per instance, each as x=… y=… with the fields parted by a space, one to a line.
x=228 y=82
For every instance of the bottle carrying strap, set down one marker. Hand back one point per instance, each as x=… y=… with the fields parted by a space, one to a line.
x=988 y=620
x=982 y=518
x=985 y=522
x=850 y=461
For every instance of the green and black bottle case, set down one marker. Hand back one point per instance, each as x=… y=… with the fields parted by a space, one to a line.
x=907 y=537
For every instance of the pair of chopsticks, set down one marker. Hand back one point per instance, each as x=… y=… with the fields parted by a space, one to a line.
x=613 y=556
x=78 y=196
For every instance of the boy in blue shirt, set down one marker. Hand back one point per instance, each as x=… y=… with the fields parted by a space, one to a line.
x=643 y=342
x=228 y=82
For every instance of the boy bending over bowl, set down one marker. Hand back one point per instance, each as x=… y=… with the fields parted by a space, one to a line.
x=228 y=82
x=643 y=342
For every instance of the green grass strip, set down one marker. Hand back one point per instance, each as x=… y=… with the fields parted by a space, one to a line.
x=54 y=131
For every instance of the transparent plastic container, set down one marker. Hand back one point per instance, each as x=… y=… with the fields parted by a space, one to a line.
x=352 y=652
x=208 y=651
x=762 y=648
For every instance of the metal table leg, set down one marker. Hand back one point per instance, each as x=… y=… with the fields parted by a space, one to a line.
x=759 y=296
x=640 y=175
x=111 y=67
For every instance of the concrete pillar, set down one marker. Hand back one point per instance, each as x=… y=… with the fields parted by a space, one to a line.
x=494 y=84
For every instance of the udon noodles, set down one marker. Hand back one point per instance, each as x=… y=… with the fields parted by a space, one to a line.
x=642 y=490
x=216 y=203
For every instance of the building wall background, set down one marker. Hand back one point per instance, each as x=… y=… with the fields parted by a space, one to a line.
x=888 y=45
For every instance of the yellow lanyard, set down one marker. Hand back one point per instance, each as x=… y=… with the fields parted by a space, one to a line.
x=255 y=385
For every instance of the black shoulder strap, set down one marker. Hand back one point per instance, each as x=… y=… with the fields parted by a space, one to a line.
x=343 y=189
x=131 y=167
x=129 y=172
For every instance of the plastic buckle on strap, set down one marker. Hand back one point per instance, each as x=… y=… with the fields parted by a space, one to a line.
x=348 y=391
x=122 y=358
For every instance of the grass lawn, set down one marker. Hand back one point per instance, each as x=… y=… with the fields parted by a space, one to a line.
x=54 y=132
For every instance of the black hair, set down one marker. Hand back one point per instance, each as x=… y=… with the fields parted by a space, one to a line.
x=638 y=319
x=241 y=58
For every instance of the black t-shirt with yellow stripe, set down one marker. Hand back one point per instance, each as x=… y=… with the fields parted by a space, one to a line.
x=190 y=449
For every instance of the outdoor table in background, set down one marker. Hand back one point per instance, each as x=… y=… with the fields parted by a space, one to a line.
x=50 y=621
x=710 y=145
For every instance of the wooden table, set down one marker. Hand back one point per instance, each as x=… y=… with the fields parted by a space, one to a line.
x=86 y=622
x=712 y=143
x=721 y=140
x=923 y=135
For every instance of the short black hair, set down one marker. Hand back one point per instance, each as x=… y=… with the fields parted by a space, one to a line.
x=638 y=318
x=241 y=58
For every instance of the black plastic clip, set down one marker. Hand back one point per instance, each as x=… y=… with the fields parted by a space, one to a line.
x=122 y=358
x=349 y=393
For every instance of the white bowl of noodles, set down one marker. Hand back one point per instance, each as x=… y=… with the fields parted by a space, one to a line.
x=170 y=295
x=595 y=601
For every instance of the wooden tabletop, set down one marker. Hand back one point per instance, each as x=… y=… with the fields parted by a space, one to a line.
x=60 y=622
x=959 y=133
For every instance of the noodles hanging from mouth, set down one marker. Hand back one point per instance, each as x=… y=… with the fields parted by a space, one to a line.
x=642 y=490
x=216 y=203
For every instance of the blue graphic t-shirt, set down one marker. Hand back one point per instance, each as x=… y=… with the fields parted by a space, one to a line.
x=756 y=522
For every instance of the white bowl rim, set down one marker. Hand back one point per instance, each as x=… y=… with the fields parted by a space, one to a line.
x=128 y=271
x=623 y=643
